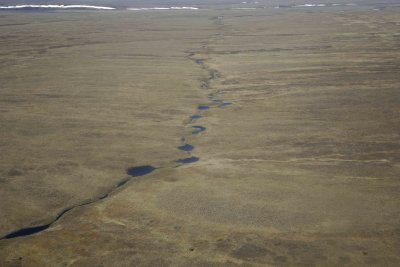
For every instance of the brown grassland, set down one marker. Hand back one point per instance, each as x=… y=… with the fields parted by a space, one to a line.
x=301 y=170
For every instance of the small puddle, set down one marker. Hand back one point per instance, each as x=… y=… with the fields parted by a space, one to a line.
x=188 y=160
x=140 y=170
x=225 y=104
x=203 y=107
x=200 y=61
x=199 y=129
x=186 y=147
x=195 y=117
x=27 y=231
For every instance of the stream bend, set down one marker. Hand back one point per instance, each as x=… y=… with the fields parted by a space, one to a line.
x=145 y=169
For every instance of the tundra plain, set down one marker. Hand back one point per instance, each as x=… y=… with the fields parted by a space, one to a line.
x=300 y=168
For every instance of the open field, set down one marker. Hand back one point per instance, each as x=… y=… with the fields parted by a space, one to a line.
x=300 y=167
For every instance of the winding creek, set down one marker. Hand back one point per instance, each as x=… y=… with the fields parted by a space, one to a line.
x=138 y=171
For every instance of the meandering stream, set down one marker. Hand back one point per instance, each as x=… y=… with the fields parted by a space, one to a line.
x=138 y=171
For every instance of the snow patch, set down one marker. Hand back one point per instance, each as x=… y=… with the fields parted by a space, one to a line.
x=57 y=7
x=164 y=8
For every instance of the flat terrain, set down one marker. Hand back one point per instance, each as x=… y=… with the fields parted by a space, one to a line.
x=300 y=168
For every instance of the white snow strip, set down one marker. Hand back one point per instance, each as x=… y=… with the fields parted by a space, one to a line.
x=310 y=5
x=184 y=7
x=58 y=7
x=323 y=5
x=164 y=8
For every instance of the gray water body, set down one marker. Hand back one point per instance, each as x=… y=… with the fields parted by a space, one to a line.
x=188 y=160
x=198 y=129
x=186 y=147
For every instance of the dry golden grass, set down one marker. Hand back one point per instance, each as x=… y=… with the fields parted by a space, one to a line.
x=302 y=169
